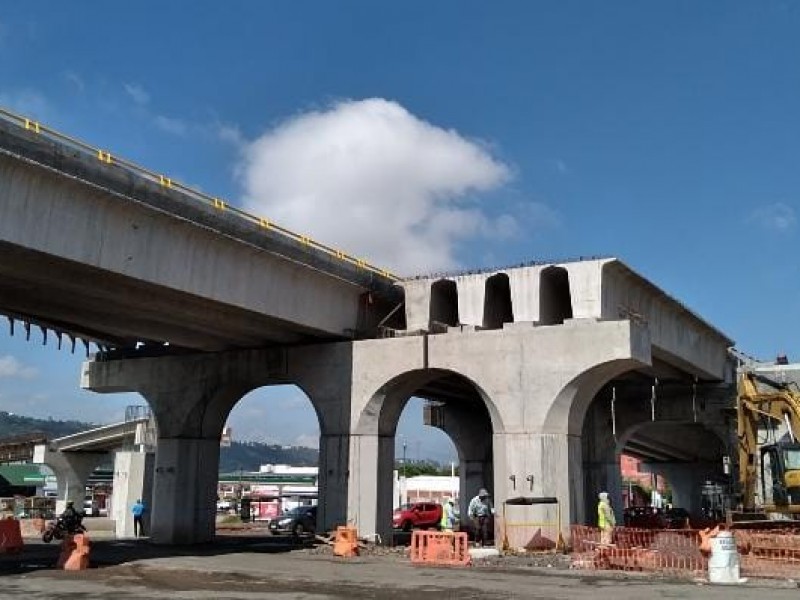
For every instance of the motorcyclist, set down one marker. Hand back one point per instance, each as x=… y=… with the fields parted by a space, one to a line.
x=71 y=518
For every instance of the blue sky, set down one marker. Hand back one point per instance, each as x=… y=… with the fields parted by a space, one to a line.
x=666 y=134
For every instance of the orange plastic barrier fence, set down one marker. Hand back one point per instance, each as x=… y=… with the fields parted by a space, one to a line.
x=675 y=551
x=769 y=554
x=766 y=553
x=10 y=536
x=346 y=542
x=440 y=548
x=74 y=553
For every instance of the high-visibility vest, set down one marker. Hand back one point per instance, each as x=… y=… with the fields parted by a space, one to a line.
x=602 y=523
x=445 y=521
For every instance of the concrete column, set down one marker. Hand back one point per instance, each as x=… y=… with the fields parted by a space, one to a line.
x=333 y=459
x=72 y=470
x=184 y=491
x=686 y=481
x=470 y=428
x=133 y=480
x=541 y=464
x=371 y=489
x=601 y=457
x=603 y=477
x=473 y=474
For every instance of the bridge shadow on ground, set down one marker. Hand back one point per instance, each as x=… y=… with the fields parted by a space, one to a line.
x=37 y=556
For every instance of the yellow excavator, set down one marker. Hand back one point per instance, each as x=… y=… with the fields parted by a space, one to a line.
x=768 y=417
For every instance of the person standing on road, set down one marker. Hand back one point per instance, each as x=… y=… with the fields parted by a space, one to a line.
x=605 y=519
x=448 y=515
x=138 y=511
x=480 y=511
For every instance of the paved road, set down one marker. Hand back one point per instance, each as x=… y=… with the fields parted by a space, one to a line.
x=269 y=569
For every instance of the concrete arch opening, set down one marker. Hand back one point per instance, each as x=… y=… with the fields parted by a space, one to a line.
x=497 y=307
x=667 y=433
x=688 y=458
x=444 y=303
x=426 y=458
x=269 y=454
x=555 y=298
x=456 y=406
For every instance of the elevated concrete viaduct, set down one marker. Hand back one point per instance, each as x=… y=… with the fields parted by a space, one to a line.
x=516 y=397
x=73 y=457
x=95 y=247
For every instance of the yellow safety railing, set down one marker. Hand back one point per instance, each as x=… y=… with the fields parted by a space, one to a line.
x=107 y=158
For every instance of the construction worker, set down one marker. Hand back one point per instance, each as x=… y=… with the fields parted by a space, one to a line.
x=138 y=511
x=448 y=515
x=605 y=519
x=480 y=511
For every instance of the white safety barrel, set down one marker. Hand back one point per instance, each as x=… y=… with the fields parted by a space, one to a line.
x=723 y=566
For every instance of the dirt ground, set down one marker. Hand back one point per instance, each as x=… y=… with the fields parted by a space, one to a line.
x=268 y=567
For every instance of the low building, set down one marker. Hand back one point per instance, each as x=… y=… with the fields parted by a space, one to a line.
x=425 y=488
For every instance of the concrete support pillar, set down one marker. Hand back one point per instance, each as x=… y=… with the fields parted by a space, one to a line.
x=184 y=491
x=371 y=485
x=332 y=481
x=601 y=459
x=473 y=475
x=540 y=464
x=603 y=477
x=133 y=480
x=470 y=428
x=72 y=470
x=686 y=481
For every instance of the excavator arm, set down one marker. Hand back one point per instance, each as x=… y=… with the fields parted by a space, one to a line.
x=755 y=407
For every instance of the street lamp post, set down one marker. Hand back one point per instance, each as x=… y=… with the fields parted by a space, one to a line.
x=404 y=459
x=401 y=484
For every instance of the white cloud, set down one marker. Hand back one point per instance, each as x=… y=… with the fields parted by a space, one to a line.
x=28 y=102
x=11 y=367
x=775 y=217
x=75 y=80
x=137 y=93
x=376 y=181
x=230 y=134
x=170 y=125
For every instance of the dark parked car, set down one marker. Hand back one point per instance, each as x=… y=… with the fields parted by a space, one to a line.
x=419 y=514
x=647 y=517
x=676 y=518
x=301 y=520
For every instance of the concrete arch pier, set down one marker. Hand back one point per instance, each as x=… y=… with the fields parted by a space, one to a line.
x=517 y=356
x=191 y=397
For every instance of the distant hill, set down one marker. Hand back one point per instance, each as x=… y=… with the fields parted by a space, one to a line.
x=13 y=425
x=247 y=456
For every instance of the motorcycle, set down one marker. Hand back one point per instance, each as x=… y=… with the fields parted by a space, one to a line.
x=60 y=527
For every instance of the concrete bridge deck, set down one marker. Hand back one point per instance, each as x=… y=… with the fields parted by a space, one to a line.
x=91 y=245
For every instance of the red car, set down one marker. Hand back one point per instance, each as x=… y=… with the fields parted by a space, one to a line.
x=421 y=515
